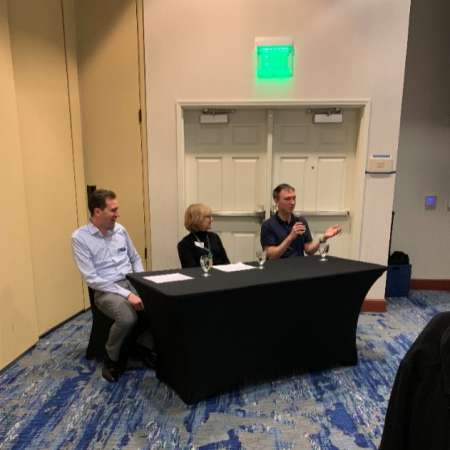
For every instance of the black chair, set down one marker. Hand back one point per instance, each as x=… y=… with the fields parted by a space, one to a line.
x=101 y=325
x=418 y=414
x=99 y=331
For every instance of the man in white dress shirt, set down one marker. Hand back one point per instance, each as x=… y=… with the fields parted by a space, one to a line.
x=105 y=254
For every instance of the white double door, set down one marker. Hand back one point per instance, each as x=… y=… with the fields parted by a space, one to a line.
x=233 y=167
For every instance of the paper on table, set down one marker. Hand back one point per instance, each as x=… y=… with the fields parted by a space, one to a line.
x=167 y=278
x=233 y=267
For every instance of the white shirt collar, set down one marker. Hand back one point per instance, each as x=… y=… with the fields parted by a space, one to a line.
x=94 y=230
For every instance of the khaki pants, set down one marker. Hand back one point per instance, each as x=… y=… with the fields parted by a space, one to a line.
x=125 y=318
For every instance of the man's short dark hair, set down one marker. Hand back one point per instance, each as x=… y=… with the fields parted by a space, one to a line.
x=281 y=187
x=97 y=199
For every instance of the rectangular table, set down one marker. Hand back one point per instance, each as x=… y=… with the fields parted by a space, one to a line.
x=213 y=334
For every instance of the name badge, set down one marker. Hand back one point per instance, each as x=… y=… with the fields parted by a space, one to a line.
x=199 y=244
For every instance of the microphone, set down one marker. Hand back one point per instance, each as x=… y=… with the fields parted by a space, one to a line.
x=298 y=219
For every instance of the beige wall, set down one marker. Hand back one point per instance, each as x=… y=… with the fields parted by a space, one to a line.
x=424 y=150
x=203 y=51
x=195 y=50
x=18 y=325
x=41 y=83
x=41 y=171
x=42 y=163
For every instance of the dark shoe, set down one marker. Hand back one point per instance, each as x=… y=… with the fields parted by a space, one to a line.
x=111 y=370
x=149 y=359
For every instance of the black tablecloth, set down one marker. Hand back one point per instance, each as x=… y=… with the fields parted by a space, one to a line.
x=214 y=333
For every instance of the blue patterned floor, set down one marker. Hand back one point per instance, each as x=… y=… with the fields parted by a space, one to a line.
x=53 y=398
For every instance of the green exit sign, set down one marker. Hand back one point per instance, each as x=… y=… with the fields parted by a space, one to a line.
x=275 y=58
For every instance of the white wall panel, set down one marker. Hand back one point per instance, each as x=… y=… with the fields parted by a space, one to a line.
x=424 y=157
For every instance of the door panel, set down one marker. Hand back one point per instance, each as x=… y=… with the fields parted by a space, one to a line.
x=340 y=245
x=226 y=168
x=294 y=171
x=293 y=134
x=331 y=183
x=209 y=181
x=332 y=136
x=245 y=172
x=244 y=249
x=246 y=135
x=240 y=238
x=108 y=52
x=318 y=160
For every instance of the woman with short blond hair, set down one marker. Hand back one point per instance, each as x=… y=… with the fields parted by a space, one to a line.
x=200 y=241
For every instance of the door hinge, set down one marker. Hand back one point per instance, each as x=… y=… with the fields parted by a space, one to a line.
x=145 y=253
x=140 y=115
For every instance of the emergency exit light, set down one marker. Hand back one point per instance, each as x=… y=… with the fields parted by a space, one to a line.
x=275 y=57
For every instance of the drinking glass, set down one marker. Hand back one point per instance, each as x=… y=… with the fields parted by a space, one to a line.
x=324 y=248
x=261 y=256
x=206 y=263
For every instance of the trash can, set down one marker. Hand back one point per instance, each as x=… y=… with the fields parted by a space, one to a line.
x=398 y=280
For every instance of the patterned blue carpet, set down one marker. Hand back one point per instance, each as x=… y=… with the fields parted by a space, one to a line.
x=53 y=398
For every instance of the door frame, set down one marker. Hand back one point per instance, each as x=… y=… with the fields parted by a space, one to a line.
x=362 y=149
x=144 y=133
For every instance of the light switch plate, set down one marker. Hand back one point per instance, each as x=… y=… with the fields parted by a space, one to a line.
x=430 y=201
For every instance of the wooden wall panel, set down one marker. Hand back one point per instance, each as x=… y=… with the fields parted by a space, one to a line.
x=18 y=325
x=40 y=72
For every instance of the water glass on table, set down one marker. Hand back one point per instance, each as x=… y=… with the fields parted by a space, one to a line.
x=206 y=263
x=324 y=248
x=261 y=256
